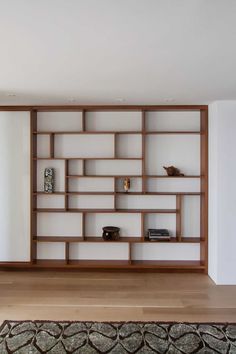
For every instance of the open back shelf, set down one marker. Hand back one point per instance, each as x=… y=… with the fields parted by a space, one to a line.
x=92 y=150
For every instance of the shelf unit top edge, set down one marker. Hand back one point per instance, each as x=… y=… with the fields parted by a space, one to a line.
x=79 y=108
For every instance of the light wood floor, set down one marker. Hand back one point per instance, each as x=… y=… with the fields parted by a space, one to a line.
x=107 y=296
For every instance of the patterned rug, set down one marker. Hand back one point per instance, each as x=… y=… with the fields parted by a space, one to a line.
x=33 y=337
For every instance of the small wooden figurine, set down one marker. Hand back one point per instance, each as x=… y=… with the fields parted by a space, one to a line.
x=173 y=171
x=126 y=184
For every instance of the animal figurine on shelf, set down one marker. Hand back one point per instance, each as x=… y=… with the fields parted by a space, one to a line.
x=126 y=184
x=173 y=171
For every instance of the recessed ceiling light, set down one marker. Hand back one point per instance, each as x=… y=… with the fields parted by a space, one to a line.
x=169 y=99
x=120 y=99
x=71 y=99
x=11 y=94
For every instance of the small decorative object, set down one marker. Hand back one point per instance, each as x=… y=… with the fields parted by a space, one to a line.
x=126 y=184
x=111 y=233
x=158 y=235
x=49 y=180
x=173 y=171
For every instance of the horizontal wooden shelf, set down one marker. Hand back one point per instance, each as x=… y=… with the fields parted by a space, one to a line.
x=159 y=193
x=165 y=176
x=112 y=132
x=103 y=176
x=58 y=239
x=126 y=264
x=132 y=176
x=175 y=240
x=128 y=211
x=104 y=108
x=124 y=239
x=74 y=193
x=84 y=239
x=167 y=132
x=87 y=132
x=168 y=264
x=119 y=193
x=87 y=158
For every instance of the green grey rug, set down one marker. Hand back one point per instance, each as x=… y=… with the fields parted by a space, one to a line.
x=33 y=337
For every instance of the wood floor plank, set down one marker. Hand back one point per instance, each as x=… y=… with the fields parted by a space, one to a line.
x=108 y=296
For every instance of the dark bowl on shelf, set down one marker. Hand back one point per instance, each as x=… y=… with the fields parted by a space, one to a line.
x=111 y=233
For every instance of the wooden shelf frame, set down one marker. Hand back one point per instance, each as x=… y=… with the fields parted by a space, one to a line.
x=169 y=265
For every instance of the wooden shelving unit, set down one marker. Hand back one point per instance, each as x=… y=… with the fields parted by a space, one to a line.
x=83 y=238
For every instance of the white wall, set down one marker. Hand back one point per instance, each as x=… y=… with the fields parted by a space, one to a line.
x=222 y=192
x=14 y=186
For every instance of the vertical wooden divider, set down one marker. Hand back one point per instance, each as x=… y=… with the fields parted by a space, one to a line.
x=204 y=190
x=52 y=145
x=115 y=146
x=130 y=252
x=83 y=233
x=178 y=217
x=143 y=153
x=115 y=195
x=143 y=226
x=33 y=186
x=83 y=125
x=66 y=184
x=144 y=186
x=83 y=162
x=67 y=252
x=115 y=156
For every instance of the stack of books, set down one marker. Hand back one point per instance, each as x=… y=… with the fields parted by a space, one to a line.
x=158 y=235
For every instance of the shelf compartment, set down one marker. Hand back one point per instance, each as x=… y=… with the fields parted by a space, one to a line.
x=113 y=120
x=91 y=201
x=50 y=201
x=172 y=151
x=185 y=121
x=188 y=184
x=146 y=202
x=59 y=121
x=88 y=184
x=128 y=145
x=59 y=225
x=114 y=167
x=129 y=224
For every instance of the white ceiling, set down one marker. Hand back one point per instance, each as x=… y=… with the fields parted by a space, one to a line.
x=117 y=51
